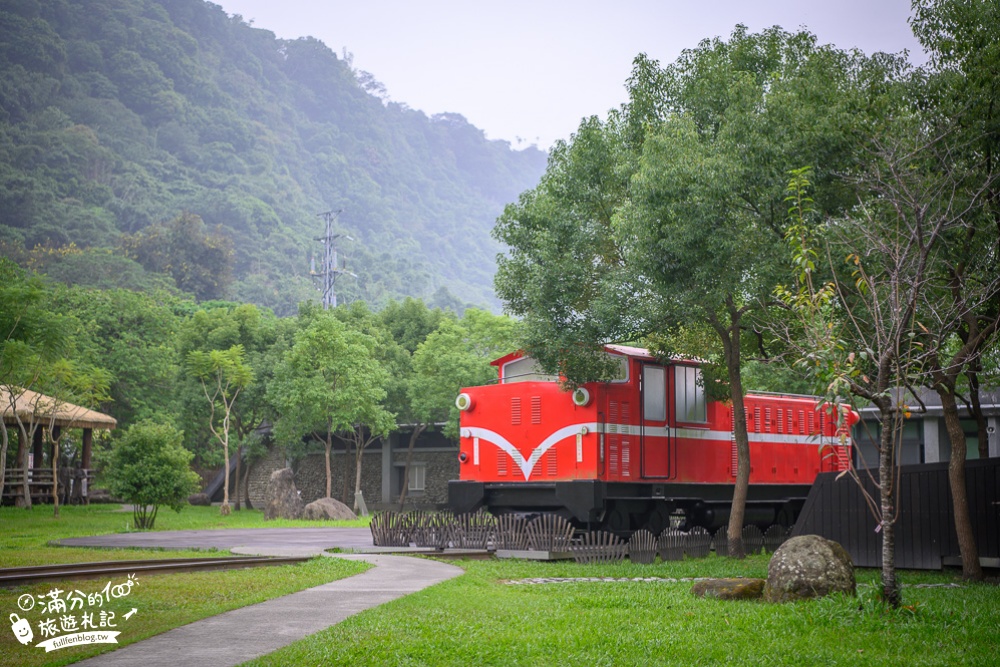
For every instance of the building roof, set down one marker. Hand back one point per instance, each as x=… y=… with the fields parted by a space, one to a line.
x=988 y=400
x=31 y=404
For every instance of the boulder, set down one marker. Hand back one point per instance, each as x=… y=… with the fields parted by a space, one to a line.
x=328 y=509
x=281 y=498
x=808 y=566
x=200 y=499
x=739 y=588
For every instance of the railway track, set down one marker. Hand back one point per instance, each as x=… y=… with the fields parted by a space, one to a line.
x=18 y=576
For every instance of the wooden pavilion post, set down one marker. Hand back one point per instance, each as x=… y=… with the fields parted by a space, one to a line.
x=88 y=442
x=37 y=449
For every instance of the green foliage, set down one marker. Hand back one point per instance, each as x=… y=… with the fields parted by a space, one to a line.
x=148 y=467
x=116 y=118
x=198 y=261
x=329 y=381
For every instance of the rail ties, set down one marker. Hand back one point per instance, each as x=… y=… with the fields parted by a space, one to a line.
x=598 y=547
x=642 y=547
x=774 y=537
x=671 y=544
x=698 y=543
x=512 y=532
x=18 y=576
x=550 y=532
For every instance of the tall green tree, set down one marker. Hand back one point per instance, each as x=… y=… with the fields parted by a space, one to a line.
x=670 y=213
x=223 y=374
x=330 y=382
x=34 y=336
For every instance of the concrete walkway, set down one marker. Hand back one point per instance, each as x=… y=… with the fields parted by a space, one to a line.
x=243 y=634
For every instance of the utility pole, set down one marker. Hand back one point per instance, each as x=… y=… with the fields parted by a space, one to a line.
x=330 y=269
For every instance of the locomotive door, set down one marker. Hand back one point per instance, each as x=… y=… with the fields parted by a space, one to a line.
x=654 y=432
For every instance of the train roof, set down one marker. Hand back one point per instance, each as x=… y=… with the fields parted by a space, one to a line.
x=626 y=350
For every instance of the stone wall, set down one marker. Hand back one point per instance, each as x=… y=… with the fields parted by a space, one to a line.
x=441 y=468
x=310 y=476
x=260 y=473
x=439 y=456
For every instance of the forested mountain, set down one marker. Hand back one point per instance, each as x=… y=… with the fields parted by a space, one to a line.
x=173 y=143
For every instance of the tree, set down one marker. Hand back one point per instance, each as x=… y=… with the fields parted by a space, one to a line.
x=862 y=333
x=67 y=381
x=445 y=362
x=329 y=382
x=223 y=374
x=962 y=40
x=33 y=337
x=669 y=215
x=148 y=467
x=200 y=261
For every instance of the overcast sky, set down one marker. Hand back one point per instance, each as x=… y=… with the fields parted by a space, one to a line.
x=528 y=71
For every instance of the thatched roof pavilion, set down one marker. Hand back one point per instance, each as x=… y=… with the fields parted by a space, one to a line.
x=49 y=411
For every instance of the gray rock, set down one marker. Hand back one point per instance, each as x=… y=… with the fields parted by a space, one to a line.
x=200 y=499
x=281 y=498
x=328 y=509
x=808 y=566
x=740 y=588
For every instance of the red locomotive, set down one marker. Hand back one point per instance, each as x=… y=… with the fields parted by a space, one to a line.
x=635 y=451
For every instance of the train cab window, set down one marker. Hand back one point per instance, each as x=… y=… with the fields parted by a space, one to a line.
x=654 y=393
x=620 y=373
x=525 y=369
x=689 y=395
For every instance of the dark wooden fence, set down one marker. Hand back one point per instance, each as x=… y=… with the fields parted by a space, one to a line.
x=925 y=529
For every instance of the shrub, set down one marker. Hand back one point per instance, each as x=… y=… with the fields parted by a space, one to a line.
x=149 y=467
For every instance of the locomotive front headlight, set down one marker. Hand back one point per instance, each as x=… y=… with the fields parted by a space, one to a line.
x=581 y=397
x=463 y=402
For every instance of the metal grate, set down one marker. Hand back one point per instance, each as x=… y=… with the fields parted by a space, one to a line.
x=536 y=409
x=501 y=463
x=515 y=411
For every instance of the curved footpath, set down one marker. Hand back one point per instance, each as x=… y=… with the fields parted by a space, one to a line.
x=243 y=634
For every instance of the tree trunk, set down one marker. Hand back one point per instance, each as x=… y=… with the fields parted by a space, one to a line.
x=358 y=458
x=246 y=485
x=731 y=348
x=971 y=568
x=4 y=444
x=225 y=509
x=54 y=435
x=239 y=460
x=887 y=504
x=329 y=471
x=417 y=430
x=977 y=410
x=24 y=461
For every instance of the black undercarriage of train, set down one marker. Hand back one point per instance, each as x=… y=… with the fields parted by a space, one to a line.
x=624 y=507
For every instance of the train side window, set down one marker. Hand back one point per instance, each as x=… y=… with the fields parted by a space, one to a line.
x=689 y=395
x=654 y=393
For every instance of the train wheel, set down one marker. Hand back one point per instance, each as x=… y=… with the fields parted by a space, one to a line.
x=658 y=520
x=617 y=520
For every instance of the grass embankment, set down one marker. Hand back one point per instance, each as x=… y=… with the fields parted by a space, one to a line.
x=163 y=601
x=478 y=619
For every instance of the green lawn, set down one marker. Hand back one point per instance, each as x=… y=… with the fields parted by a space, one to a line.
x=26 y=534
x=478 y=619
x=163 y=601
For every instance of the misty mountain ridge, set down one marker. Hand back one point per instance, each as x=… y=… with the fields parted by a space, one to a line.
x=140 y=130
